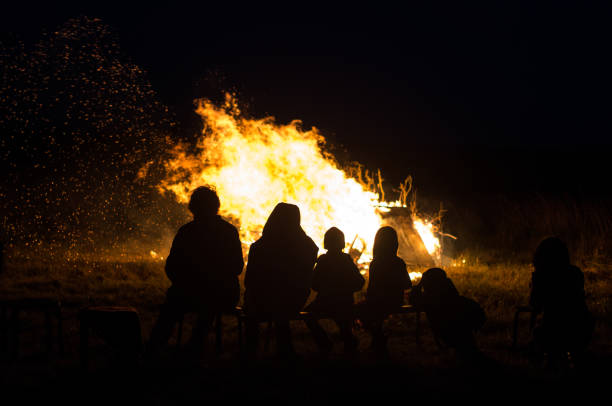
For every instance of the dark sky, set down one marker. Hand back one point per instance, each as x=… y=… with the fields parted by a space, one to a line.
x=462 y=97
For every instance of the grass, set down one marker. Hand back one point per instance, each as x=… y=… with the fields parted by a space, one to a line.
x=499 y=288
x=424 y=371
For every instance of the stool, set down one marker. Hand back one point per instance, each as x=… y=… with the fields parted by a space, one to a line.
x=118 y=326
x=10 y=311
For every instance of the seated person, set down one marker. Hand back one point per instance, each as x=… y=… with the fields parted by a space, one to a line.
x=388 y=280
x=335 y=279
x=453 y=318
x=557 y=291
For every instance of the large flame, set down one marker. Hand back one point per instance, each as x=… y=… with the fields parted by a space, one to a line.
x=255 y=164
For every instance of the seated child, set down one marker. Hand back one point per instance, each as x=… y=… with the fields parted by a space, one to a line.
x=387 y=282
x=453 y=318
x=335 y=279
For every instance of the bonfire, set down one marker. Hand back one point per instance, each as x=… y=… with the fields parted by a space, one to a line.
x=256 y=163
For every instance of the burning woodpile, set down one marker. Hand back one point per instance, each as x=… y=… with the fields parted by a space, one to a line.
x=255 y=163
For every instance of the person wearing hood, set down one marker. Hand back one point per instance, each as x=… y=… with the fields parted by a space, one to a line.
x=278 y=277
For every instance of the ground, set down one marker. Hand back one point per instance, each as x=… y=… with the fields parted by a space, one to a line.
x=413 y=372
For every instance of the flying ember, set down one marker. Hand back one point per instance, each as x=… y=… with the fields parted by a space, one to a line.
x=256 y=163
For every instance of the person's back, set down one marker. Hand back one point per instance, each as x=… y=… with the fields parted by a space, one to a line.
x=278 y=277
x=205 y=261
x=388 y=280
x=280 y=265
x=557 y=291
x=453 y=318
x=335 y=279
x=203 y=265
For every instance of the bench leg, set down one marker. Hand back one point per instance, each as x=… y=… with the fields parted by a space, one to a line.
x=417 y=330
x=14 y=334
x=49 y=328
x=240 y=342
x=269 y=329
x=515 y=329
x=60 y=332
x=4 y=330
x=179 y=333
x=218 y=334
x=84 y=343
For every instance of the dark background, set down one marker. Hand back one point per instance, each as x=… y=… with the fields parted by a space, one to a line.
x=487 y=98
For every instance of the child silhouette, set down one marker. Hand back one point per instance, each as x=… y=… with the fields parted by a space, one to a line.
x=387 y=282
x=335 y=279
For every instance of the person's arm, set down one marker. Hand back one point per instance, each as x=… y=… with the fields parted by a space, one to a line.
x=253 y=267
x=357 y=279
x=407 y=283
x=535 y=296
x=316 y=276
x=175 y=262
x=235 y=260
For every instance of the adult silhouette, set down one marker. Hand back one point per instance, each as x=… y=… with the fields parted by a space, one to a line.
x=278 y=276
x=203 y=266
x=453 y=318
x=557 y=291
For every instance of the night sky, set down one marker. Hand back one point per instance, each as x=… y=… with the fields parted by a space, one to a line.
x=487 y=98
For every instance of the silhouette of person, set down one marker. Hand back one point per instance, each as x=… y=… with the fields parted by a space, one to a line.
x=387 y=283
x=453 y=318
x=203 y=266
x=557 y=291
x=335 y=279
x=278 y=277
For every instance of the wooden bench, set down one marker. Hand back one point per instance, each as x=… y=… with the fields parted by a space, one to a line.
x=10 y=326
x=243 y=317
x=303 y=315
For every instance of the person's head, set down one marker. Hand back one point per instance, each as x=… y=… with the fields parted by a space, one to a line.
x=284 y=220
x=385 y=242
x=552 y=253
x=204 y=202
x=433 y=278
x=436 y=285
x=333 y=240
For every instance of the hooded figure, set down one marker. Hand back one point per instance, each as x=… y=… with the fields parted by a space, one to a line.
x=388 y=281
x=388 y=276
x=557 y=291
x=278 y=274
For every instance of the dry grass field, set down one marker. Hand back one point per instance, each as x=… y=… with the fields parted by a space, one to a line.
x=424 y=370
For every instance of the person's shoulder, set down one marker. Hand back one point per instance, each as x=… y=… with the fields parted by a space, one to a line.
x=323 y=257
x=575 y=270
x=575 y=273
x=311 y=244
x=186 y=228
x=346 y=256
x=226 y=226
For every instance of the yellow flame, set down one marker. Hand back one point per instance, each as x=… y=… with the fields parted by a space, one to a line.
x=255 y=164
x=426 y=232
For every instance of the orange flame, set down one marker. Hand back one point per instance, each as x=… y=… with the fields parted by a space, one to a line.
x=255 y=164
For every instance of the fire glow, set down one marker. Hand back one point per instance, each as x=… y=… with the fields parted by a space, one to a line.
x=256 y=163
